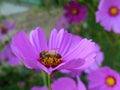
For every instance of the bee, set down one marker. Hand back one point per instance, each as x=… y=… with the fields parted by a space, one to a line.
x=50 y=58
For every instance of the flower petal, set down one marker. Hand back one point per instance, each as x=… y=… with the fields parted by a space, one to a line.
x=14 y=61
x=66 y=42
x=59 y=38
x=3 y=55
x=52 y=40
x=105 y=7
x=38 y=39
x=23 y=49
x=64 y=84
x=82 y=50
x=80 y=84
x=69 y=65
x=75 y=41
x=105 y=20
x=116 y=25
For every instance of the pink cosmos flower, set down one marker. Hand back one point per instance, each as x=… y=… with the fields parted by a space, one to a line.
x=6 y=27
x=75 y=12
x=108 y=15
x=63 y=50
x=98 y=61
x=64 y=83
x=62 y=23
x=9 y=56
x=104 y=79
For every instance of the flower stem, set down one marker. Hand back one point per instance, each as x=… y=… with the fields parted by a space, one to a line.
x=49 y=82
x=44 y=78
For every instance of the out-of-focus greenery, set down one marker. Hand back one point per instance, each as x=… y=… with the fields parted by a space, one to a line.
x=10 y=77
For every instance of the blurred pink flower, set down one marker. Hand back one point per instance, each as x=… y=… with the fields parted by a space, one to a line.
x=97 y=63
x=103 y=79
x=21 y=84
x=6 y=27
x=62 y=23
x=108 y=15
x=64 y=83
x=64 y=50
x=75 y=12
x=9 y=56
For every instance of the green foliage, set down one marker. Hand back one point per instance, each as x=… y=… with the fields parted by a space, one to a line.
x=10 y=77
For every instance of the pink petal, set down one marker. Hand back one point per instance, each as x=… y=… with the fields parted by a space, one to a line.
x=23 y=49
x=14 y=61
x=59 y=38
x=3 y=55
x=38 y=39
x=64 y=84
x=116 y=25
x=82 y=50
x=66 y=42
x=12 y=26
x=105 y=20
x=80 y=84
x=75 y=63
x=106 y=4
x=52 y=40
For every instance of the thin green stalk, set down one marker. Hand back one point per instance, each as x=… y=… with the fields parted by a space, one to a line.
x=108 y=38
x=44 y=78
x=112 y=47
x=49 y=82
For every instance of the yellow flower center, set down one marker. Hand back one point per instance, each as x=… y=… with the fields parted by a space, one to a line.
x=110 y=81
x=50 y=58
x=74 y=11
x=114 y=11
x=4 y=29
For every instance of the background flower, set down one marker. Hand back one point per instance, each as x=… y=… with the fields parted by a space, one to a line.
x=21 y=84
x=9 y=56
x=62 y=23
x=108 y=15
x=75 y=12
x=104 y=79
x=6 y=27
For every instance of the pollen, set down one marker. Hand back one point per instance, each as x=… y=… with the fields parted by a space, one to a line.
x=110 y=81
x=3 y=29
x=113 y=11
x=50 y=58
x=75 y=11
